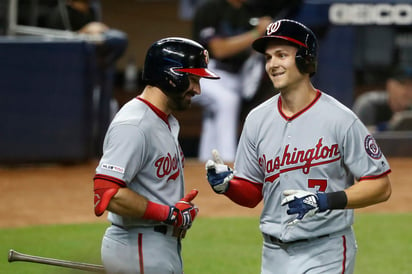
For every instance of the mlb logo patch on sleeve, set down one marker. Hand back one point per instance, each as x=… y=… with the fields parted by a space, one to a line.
x=112 y=168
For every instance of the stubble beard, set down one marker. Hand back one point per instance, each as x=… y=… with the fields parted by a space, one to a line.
x=179 y=102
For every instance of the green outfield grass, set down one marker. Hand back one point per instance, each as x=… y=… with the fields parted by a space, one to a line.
x=213 y=245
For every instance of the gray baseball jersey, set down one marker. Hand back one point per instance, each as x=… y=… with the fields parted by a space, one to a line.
x=141 y=149
x=151 y=166
x=321 y=148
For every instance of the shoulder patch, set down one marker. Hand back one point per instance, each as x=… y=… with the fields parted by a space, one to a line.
x=112 y=168
x=372 y=147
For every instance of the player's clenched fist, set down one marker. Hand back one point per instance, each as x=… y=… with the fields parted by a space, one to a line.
x=180 y=215
x=187 y=211
x=304 y=203
x=187 y=214
x=172 y=215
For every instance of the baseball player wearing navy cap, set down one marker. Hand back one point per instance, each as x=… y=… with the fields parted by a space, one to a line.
x=309 y=158
x=139 y=179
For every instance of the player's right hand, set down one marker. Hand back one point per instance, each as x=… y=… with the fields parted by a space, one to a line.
x=172 y=216
x=183 y=213
x=187 y=210
x=218 y=174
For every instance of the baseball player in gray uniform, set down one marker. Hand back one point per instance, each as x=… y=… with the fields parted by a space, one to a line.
x=309 y=158
x=139 y=179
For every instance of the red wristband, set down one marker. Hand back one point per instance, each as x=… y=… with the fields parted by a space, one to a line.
x=156 y=211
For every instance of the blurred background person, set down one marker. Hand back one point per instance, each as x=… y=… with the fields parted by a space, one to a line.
x=227 y=29
x=84 y=17
x=381 y=110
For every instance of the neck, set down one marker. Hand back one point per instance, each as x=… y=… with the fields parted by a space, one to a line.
x=157 y=98
x=297 y=99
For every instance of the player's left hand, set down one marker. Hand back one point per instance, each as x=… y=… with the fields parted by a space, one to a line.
x=303 y=203
x=187 y=210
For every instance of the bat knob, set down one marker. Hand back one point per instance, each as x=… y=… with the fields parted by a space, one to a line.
x=10 y=258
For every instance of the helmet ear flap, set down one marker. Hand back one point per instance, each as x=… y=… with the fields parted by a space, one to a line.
x=176 y=81
x=305 y=62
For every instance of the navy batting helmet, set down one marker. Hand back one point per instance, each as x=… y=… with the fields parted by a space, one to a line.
x=298 y=35
x=169 y=61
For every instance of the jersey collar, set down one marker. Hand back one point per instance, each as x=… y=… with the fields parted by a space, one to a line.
x=158 y=112
x=287 y=118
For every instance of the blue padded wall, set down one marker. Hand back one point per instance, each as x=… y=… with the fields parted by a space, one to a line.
x=46 y=100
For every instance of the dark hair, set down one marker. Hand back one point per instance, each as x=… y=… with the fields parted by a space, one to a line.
x=402 y=72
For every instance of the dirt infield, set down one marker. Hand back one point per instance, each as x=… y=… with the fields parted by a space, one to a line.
x=57 y=194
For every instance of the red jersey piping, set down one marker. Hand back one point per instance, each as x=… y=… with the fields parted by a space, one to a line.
x=318 y=94
x=158 y=112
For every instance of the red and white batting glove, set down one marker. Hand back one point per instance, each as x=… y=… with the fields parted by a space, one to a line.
x=187 y=211
x=180 y=215
x=172 y=216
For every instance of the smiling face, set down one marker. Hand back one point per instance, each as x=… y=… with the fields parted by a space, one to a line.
x=281 y=65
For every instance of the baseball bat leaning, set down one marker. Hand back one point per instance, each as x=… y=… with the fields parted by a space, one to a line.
x=17 y=256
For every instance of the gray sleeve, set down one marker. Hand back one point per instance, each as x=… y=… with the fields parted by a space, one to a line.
x=247 y=162
x=362 y=154
x=124 y=149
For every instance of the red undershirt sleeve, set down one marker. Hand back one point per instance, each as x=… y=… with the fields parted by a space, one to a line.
x=105 y=187
x=244 y=192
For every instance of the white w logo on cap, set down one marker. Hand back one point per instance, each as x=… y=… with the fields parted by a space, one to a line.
x=272 y=28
